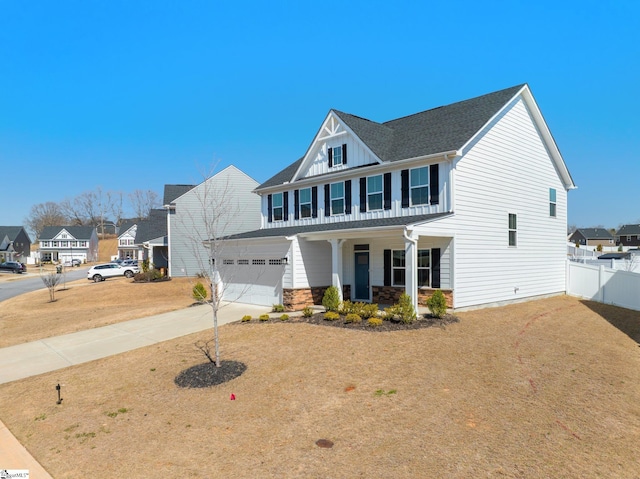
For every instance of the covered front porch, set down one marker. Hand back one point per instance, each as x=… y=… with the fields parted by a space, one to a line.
x=371 y=265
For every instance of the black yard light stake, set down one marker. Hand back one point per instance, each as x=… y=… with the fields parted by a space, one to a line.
x=59 y=401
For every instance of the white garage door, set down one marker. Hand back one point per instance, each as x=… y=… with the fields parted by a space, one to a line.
x=254 y=285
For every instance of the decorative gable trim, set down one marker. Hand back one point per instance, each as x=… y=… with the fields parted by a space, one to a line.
x=331 y=128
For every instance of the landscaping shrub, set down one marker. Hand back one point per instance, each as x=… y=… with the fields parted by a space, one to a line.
x=149 y=276
x=307 y=312
x=369 y=311
x=437 y=304
x=277 y=308
x=331 y=316
x=246 y=318
x=352 y=318
x=284 y=317
x=374 y=322
x=402 y=311
x=199 y=292
x=406 y=311
x=264 y=317
x=331 y=299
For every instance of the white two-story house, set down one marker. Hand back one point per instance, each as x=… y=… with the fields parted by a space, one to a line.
x=470 y=198
x=67 y=243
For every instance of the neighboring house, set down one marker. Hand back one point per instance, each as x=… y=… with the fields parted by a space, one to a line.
x=65 y=243
x=145 y=239
x=221 y=205
x=15 y=244
x=592 y=237
x=628 y=235
x=127 y=248
x=454 y=198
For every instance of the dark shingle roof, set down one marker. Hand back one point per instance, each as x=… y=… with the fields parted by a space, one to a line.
x=439 y=130
x=345 y=225
x=152 y=228
x=78 y=232
x=595 y=233
x=629 y=230
x=171 y=192
x=10 y=231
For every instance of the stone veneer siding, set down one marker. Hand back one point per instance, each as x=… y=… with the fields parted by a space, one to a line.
x=295 y=299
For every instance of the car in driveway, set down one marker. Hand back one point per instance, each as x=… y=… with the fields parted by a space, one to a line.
x=12 y=267
x=100 y=272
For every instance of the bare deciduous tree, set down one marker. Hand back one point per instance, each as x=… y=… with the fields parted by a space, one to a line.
x=51 y=280
x=44 y=214
x=205 y=226
x=142 y=202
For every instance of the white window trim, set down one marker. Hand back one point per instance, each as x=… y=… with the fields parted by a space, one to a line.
x=339 y=150
x=394 y=268
x=337 y=198
x=513 y=230
x=274 y=207
x=310 y=203
x=370 y=194
x=412 y=187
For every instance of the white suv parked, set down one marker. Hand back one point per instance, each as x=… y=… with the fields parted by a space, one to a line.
x=100 y=272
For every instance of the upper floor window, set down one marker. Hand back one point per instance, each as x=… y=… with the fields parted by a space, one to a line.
x=419 y=186
x=305 y=203
x=64 y=235
x=83 y=244
x=337 y=155
x=337 y=198
x=552 y=202
x=513 y=229
x=277 y=207
x=374 y=192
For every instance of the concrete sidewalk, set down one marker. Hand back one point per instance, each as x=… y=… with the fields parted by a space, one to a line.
x=30 y=359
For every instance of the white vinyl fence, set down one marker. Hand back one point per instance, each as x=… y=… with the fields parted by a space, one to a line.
x=605 y=285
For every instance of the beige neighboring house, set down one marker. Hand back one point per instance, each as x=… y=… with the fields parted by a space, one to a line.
x=592 y=237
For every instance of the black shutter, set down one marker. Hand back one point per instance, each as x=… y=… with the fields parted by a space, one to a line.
x=435 y=268
x=330 y=156
x=387 y=267
x=434 y=184
x=270 y=213
x=347 y=197
x=363 y=195
x=327 y=201
x=285 y=200
x=314 y=202
x=404 y=174
x=387 y=191
x=296 y=204
x=344 y=154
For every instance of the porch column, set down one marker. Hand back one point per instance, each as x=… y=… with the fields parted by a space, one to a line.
x=411 y=266
x=336 y=264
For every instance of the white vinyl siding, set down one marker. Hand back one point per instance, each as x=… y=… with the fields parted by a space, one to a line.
x=507 y=169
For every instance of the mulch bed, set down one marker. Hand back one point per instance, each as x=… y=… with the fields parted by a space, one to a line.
x=207 y=374
x=425 y=321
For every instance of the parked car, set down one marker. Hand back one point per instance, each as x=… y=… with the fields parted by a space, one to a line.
x=13 y=267
x=100 y=272
x=76 y=262
x=130 y=262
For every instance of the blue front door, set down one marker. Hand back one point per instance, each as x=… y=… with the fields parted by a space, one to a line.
x=362 y=275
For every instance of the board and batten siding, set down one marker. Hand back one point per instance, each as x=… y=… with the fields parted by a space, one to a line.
x=230 y=192
x=396 y=209
x=506 y=170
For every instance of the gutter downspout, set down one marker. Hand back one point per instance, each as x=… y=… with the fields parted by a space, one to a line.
x=413 y=281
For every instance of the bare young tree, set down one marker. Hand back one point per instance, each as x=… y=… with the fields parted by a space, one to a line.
x=44 y=214
x=212 y=217
x=142 y=202
x=51 y=280
x=73 y=211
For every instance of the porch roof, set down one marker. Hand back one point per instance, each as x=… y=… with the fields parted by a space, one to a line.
x=341 y=226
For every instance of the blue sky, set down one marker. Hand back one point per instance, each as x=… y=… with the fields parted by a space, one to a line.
x=133 y=95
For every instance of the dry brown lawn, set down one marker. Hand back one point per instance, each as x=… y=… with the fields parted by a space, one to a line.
x=84 y=304
x=544 y=389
